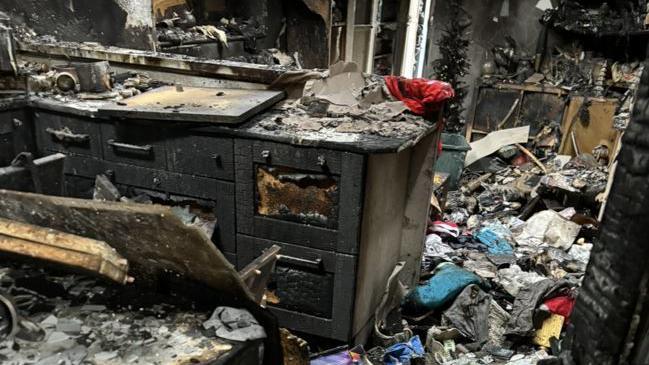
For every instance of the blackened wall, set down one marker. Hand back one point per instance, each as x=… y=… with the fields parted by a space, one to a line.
x=489 y=28
x=124 y=23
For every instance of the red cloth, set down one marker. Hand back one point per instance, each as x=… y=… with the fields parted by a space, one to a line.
x=560 y=305
x=449 y=228
x=421 y=96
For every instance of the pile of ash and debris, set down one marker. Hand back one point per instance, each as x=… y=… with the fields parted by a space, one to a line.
x=51 y=316
x=600 y=18
x=503 y=261
x=340 y=103
x=180 y=32
x=83 y=82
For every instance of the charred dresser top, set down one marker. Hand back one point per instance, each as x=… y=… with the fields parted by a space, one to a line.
x=344 y=205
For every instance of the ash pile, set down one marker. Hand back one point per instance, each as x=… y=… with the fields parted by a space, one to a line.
x=52 y=316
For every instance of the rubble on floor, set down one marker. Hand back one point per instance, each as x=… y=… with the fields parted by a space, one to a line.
x=501 y=270
x=502 y=262
x=505 y=259
x=70 y=319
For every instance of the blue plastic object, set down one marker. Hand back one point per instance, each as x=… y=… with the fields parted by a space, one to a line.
x=496 y=243
x=447 y=282
x=402 y=353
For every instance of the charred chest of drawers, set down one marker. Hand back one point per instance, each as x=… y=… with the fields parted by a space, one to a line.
x=343 y=216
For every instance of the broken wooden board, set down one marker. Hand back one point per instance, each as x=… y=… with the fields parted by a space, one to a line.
x=62 y=248
x=511 y=105
x=591 y=126
x=257 y=273
x=494 y=141
x=195 y=104
x=490 y=109
x=151 y=237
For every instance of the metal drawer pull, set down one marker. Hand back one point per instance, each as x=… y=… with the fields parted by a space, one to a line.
x=322 y=161
x=313 y=264
x=132 y=147
x=66 y=135
x=217 y=159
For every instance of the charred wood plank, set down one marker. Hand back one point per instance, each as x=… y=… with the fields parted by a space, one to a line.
x=63 y=248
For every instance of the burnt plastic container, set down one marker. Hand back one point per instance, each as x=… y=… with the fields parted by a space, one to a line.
x=451 y=161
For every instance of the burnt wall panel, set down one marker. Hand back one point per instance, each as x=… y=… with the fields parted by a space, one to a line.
x=307 y=31
x=124 y=23
x=488 y=29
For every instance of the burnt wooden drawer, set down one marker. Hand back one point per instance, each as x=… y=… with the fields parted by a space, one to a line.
x=6 y=149
x=67 y=134
x=15 y=135
x=221 y=193
x=303 y=196
x=223 y=237
x=6 y=139
x=201 y=155
x=314 y=288
x=133 y=143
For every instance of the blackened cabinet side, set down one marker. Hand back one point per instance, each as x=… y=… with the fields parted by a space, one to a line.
x=307 y=200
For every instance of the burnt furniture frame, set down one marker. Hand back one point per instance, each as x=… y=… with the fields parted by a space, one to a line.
x=332 y=269
x=331 y=275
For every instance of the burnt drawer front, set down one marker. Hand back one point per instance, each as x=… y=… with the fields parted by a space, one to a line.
x=136 y=144
x=202 y=155
x=82 y=187
x=67 y=134
x=311 y=290
x=6 y=149
x=220 y=192
x=299 y=195
x=6 y=139
x=15 y=135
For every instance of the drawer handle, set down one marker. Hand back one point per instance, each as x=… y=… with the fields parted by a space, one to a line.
x=66 y=135
x=322 y=161
x=312 y=264
x=217 y=159
x=147 y=148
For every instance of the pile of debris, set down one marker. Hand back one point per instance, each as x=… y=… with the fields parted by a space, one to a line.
x=503 y=260
x=583 y=17
x=342 y=102
x=90 y=82
x=61 y=318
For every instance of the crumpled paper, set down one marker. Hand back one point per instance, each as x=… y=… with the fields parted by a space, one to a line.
x=513 y=279
x=235 y=324
x=548 y=227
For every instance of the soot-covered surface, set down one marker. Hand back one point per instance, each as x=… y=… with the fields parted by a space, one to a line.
x=110 y=22
x=79 y=319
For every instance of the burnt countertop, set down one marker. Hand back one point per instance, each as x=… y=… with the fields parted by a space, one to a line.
x=385 y=128
x=279 y=124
